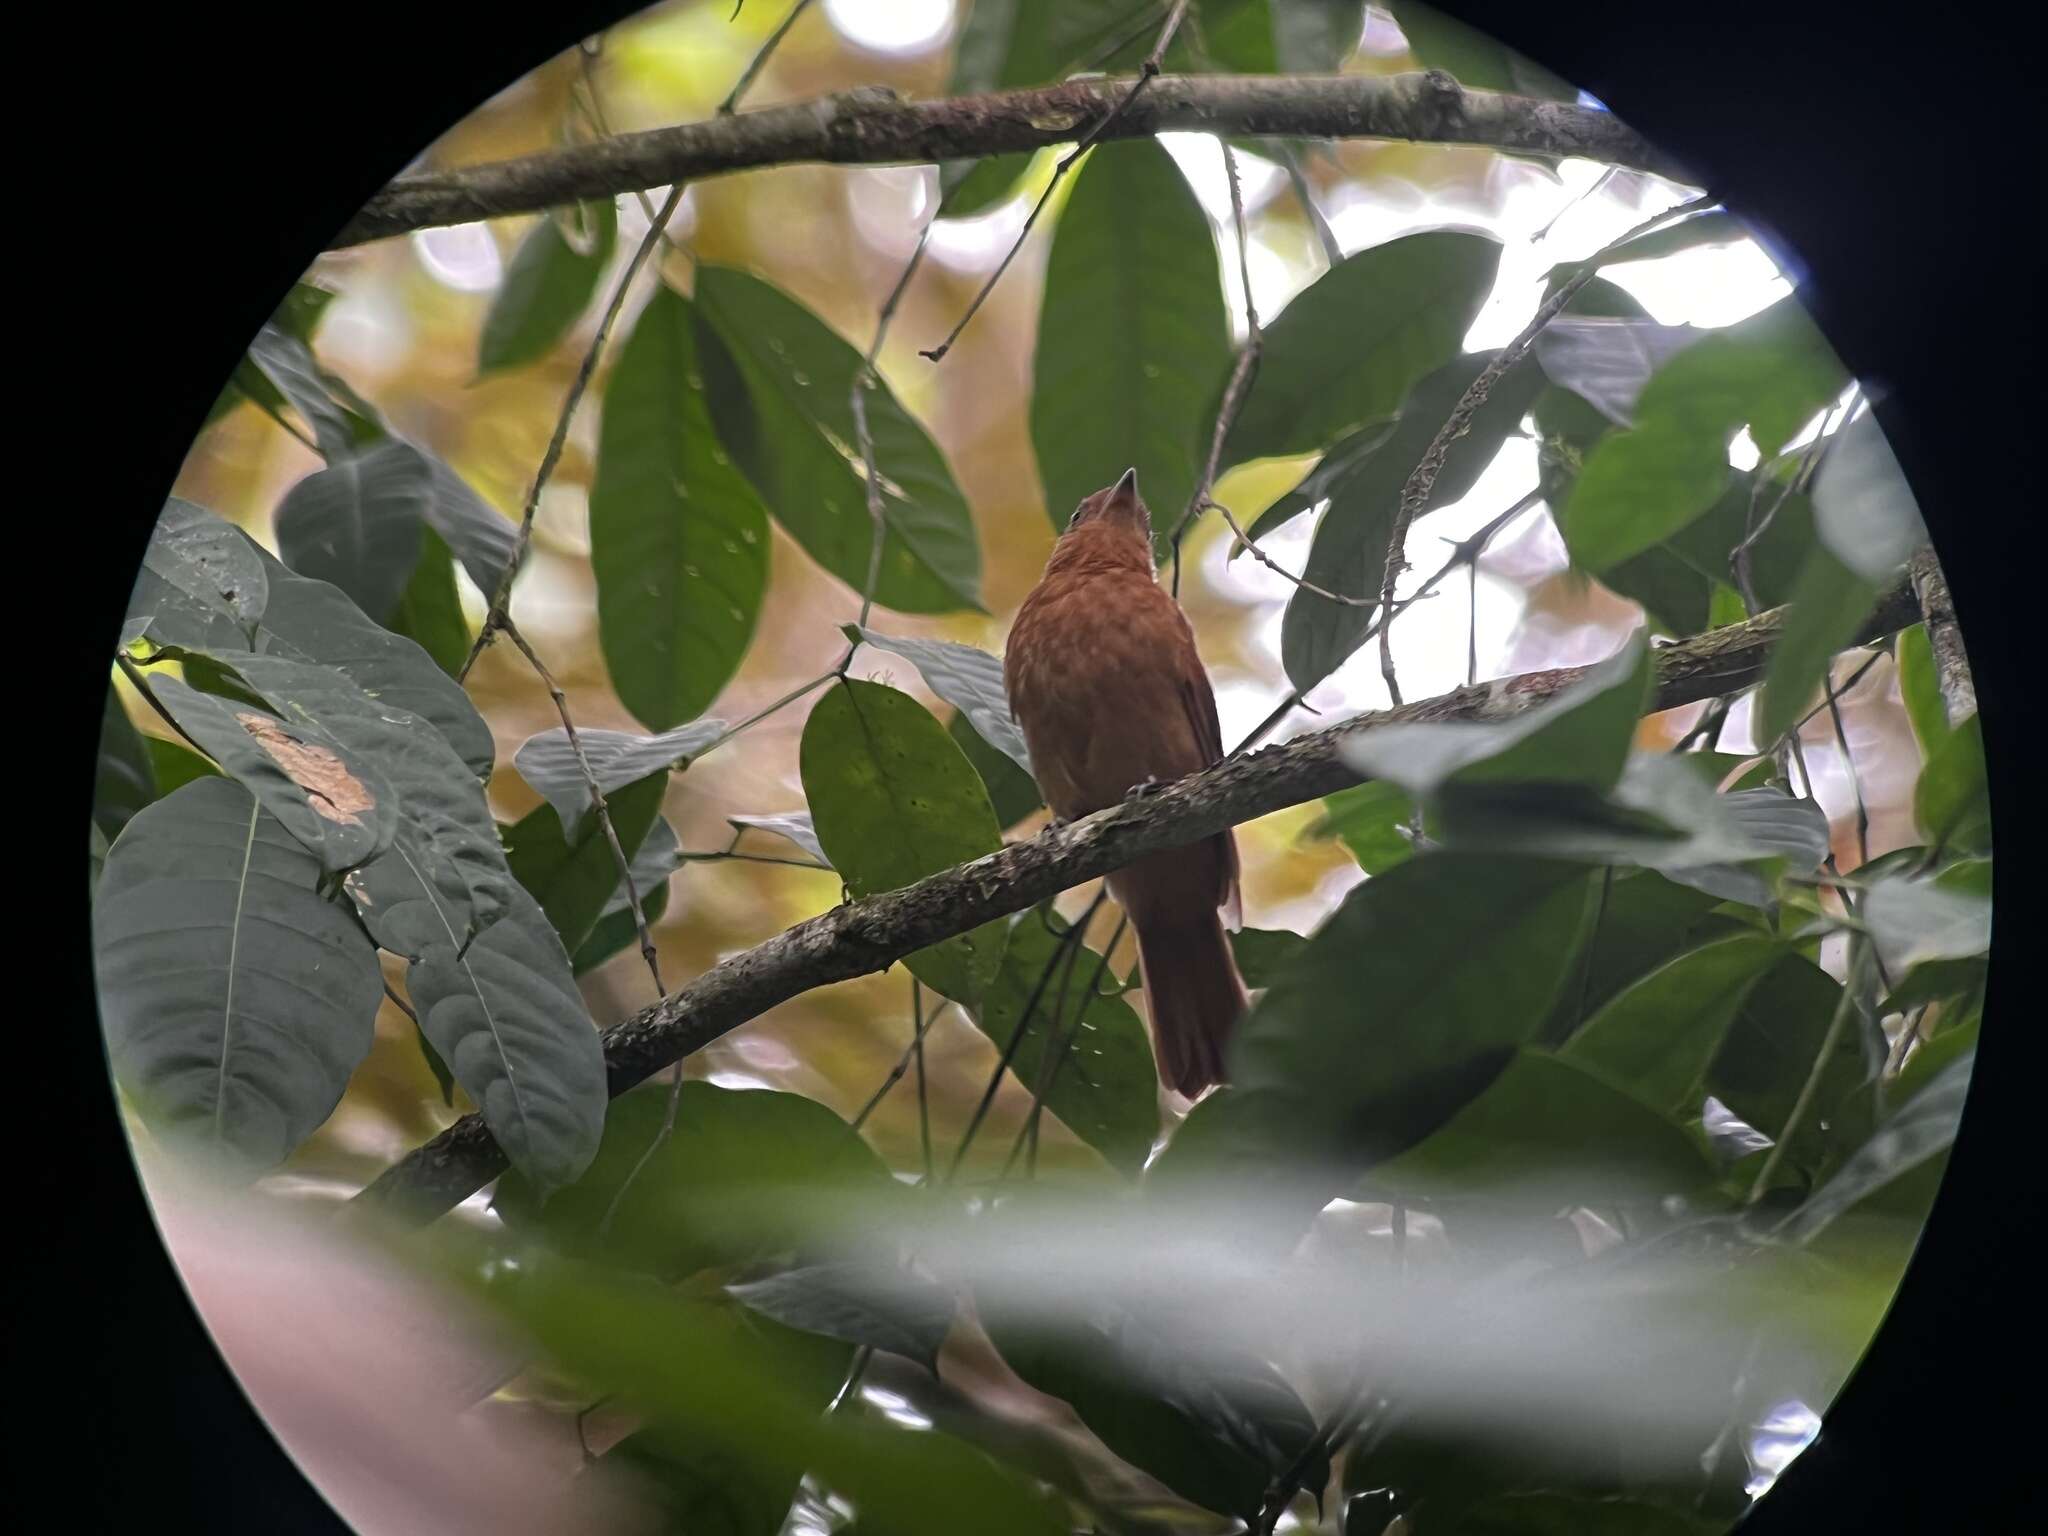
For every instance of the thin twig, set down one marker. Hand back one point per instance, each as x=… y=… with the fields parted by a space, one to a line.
x=760 y=60
x=722 y=855
x=864 y=379
x=1422 y=481
x=401 y=1005
x=924 y=1107
x=918 y=1025
x=1073 y=1033
x=1242 y=372
x=1834 y=709
x=1146 y=72
x=1278 y=569
x=1809 y=1088
x=496 y=617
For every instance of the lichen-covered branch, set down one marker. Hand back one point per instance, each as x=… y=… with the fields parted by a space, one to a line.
x=861 y=937
x=1951 y=664
x=875 y=126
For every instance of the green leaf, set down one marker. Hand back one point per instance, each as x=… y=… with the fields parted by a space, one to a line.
x=1607 y=362
x=549 y=763
x=1920 y=687
x=1548 y=1133
x=236 y=999
x=282 y=366
x=1036 y=42
x=969 y=187
x=966 y=677
x=1471 y=57
x=175 y=766
x=299 y=619
x=857 y=1303
x=299 y=317
x=326 y=793
x=1107 y=1088
x=796 y=826
x=1011 y=790
x=678 y=539
x=1264 y=953
x=506 y=1017
x=659 y=856
x=356 y=523
x=1313 y=37
x=1131 y=332
x=1828 y=604
x=547 y=285
x=1643 y=921
x=1863 y=510
x=200 y=574
x=125 y=780
x=1716 y=226
x=1915 y=920
x=1772 y=1046
x=744 y=1175
x=1951 y=801
x=1368 y=819
x=576 y=882
x=1580 y=737
x=1350 y=549
x=1349 y=347
x=429 y=611
x=481 y=536
x=1922 y=1128
x=1657 y=1038
x=780 y=392
x=893 y=801
x=1772 y=371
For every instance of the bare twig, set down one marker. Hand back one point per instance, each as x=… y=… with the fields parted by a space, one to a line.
x=863 y=381
x=874 y=126
x=1055 y=1061
x=1415 y=494
x=760 y=60
x=1251 y=548
x=918 y=1025
x=867 y=935
x=496 y=617
x=1147 y=72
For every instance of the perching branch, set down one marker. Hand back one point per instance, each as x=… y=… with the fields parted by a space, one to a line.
x=868 y=935
x=1951 y=663
x=875 y=126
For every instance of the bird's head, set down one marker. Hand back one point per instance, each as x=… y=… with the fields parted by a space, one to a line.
x=1116 y=507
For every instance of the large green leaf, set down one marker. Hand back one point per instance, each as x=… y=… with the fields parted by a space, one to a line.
x=1349 y=347
x=325 y=793
x=1131 y=334
x=1368 y=819
x=575 y=882
x=125 y=779
x=658 y=858
x=1642 y=921
x=1579 y=738
x=175 y=765
x=780 y=392
x=1607 y=361
x=1263 y=953
x=1657 y=1038
x=1951 y=800
x=1548 y=1133
x=1920 y=688
x=548 y=762
x=341 y=421
x=857 y=1303
x=356 y=523
x=1772 y=371
x=1471 y=57
x=1350 y=549
x=745 y=1175
x=1011 y=789
x=1914 y=920
x=481 y=536
x=1677 y=579
x=296 y=618
x=894 y=800
x=1106 y=1090
x=236 y=999
x=429 y=612
x=299 y=317
x=1920 y=1129
x=966 y=677
x=1773 y=1045
x=547 y=286
x=506 y=1017
x=1035 y=42
x=678 y=539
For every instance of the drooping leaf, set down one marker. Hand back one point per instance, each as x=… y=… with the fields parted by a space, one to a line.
x=429 y=611
x=659 y=856
x=1347 y=349
x=1920 y=687
x=1827 y=605
x=893 y=800
x=1657 y=1038
x=547 y=285
x=794 y=825
x=1106 y=1087
x=1922 y=1128
x=1471 y=57
x=286 y=364
x=1131 y=332
x=299 y=317
x=506 y=1017
x=576 y=882
x=857 y=1303
x=125 y=780
x=1772 y=1046
x=200 y=574
x=1716 y=226
x=1913 y=920
x=966 y=677
x=236 y=999
x=1606 y=362
x=678 y=539
x=1349 y=553
x=481 y=537
x=780 y=393
x=1951 y=800
x=1011 y=790
x=356 y=523
x=331 y=798
x=1367 y=819
x=549 y=763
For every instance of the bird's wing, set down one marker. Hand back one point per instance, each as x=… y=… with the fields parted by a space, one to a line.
x=1199 y=700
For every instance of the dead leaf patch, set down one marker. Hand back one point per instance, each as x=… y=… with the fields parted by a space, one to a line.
x=332 y=790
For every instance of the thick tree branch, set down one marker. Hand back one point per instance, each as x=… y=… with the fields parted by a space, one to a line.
x=1951 y=663
x=874 y=126
x=869 y=935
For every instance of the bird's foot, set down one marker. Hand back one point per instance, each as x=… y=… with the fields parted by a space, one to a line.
x=1145 y=788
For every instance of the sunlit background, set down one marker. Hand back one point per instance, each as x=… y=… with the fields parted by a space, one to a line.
x=403 y=332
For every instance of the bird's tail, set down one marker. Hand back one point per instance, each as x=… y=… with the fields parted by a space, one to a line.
x=1193 y=993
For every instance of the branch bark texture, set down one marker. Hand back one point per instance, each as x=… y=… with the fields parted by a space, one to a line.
x=875 y=126
x=869 y=935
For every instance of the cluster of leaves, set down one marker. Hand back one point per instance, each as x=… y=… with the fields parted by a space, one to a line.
x=1579 y=979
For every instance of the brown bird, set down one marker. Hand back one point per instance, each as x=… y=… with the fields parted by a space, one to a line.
x=1105 y=682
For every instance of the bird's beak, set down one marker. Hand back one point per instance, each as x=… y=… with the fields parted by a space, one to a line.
x=1127 y=487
